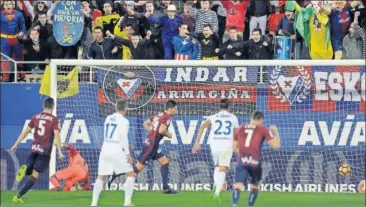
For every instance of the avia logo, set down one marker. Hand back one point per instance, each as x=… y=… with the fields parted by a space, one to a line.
x=129 y=86
x=72 y=131
x=292 y=89
x=337 y=133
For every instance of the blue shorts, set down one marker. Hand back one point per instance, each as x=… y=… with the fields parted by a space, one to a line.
x=149 y=153
x=242 y=172
x=37 y=162
x=337 y=44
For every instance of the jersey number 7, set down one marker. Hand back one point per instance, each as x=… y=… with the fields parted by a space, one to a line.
x=249 y=133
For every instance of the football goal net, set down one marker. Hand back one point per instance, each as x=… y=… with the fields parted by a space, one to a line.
x=318 y=107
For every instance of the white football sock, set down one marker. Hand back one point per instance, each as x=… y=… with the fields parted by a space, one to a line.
x=98 y=187
x=216 y=174
x=220 y=182
x=130 y=184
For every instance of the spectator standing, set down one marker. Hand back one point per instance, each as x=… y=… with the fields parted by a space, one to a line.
x=236 y=12
x=277 y=10
x=87 y=37
x=137 y=47
x=170 y=23
x=258 y=11
x=218 y=7
x=187 y=18
x=108 y=20
x=360 y=32
x=286 y=28
x=162 y=5
x=35 y=49
x=352 y=45
x=155 y=47
x=259 y=47
x=103 y=48
x=44 y=26
x=125 y=34
x=313 y=25
x=185 y=47
x=340 y=18
x=40 y=6
x=210 y=43
x=231 y=49
x=132 y=18
x=12 y=28
x=204 y=16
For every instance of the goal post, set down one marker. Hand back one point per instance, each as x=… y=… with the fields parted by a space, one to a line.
x=318 y=106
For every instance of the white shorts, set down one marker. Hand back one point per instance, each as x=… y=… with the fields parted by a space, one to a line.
x=222 y=158
x=110 y=163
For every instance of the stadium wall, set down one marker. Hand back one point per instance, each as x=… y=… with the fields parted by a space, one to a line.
x=320 y=128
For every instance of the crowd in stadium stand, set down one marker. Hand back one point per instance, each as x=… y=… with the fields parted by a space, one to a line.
x=187 y=30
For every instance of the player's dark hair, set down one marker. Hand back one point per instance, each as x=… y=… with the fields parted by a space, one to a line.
x=48 y=103
x=232 y=28
x=42 y=13
x=258 y=115
x=98 y=27
x=181 y=24
x=136 y=34
x=128 y=25
x=207 y=25
x=257 y=30
x=170 y=104
x=121 y=105
x=224 y=103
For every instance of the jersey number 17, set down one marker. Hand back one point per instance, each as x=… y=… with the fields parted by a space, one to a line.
x=109 y=130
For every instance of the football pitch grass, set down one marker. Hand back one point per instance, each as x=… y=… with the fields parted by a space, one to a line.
x=184 y=198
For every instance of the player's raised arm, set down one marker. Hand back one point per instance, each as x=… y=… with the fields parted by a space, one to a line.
x=274 y=142
x=205 y=124
x=21 y=137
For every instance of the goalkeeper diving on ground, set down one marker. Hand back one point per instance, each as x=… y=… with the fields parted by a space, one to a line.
x=77 y=171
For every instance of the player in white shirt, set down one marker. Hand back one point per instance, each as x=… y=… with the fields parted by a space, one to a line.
x=115 y=155
x=223 y=125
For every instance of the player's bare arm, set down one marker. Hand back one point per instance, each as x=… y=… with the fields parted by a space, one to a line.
x=147 y=125
x=196 y=146
x=275 y=142
x=58 y=143
x=21 y=137
x=163 y=130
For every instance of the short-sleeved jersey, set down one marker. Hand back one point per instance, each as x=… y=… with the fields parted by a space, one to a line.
x=250 y=138
x=154 y=136
x=44 y=125
x=223 y=126
x=115 y=135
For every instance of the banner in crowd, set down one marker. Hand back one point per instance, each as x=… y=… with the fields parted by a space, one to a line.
x=68 y=22
x=318 y=130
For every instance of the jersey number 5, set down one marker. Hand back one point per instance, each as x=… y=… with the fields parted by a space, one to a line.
x=109 y=133
x=227 y=127
x=41 y=128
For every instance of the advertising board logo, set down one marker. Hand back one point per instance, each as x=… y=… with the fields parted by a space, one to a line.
x=138 y=87
x=292 y=89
